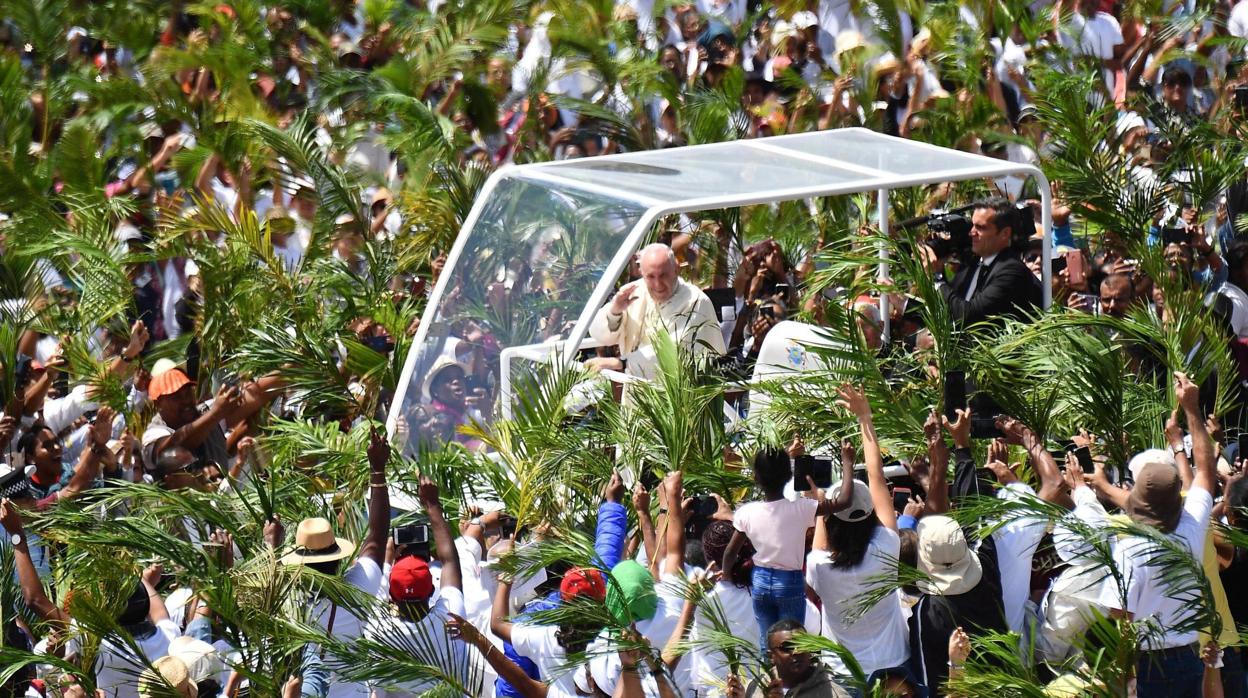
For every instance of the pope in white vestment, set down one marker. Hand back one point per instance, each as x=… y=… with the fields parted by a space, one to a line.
x=660 y=299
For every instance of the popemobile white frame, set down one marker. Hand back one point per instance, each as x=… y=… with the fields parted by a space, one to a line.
x=570 y=175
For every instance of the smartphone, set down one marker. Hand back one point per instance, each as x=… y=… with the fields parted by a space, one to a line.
x=781 y=290
x=1084 y=456
x=1089 y=302
x=1075 y=270
x=649 y=478
x=1176 y=236
x=901 y=497
x=818 y=469
x=1241 y=96
x=411 y=534
x=767 y=311
x=955 y=393
x=1242 y=441
x=507 y=525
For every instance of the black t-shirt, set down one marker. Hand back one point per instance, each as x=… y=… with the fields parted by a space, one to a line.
x=935 y=617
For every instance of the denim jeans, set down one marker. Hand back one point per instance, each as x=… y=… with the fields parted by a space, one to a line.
x=777 y=595
x=1234 y=683
x=1172 y=673
x=315 y=673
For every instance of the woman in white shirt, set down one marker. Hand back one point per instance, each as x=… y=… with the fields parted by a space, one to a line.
x=856 y=549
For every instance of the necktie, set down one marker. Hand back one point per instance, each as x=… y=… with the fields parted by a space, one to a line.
x=979 y=271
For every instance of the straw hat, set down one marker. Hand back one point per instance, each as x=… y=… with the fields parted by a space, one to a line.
x=315 y=542
x=171 y=671
x=442 y=364
x=849 y=40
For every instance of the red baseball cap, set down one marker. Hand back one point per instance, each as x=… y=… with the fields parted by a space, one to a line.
x=410 y=580
x=581 y=581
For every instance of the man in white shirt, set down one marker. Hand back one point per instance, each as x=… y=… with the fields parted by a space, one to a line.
x=661 y=299
x=317 y=548
x=1170 y=661
x=420 y=626
x=1093 y=33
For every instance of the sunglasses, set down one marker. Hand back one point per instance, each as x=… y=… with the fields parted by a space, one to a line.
x=196 y=466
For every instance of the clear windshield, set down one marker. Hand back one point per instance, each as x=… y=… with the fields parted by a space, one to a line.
x=527 y=269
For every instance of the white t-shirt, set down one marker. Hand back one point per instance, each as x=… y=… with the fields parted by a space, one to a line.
x=728 y=605
x=477 y=597
x=540 y=645
x=1239 y=308
x=877 y=638
x=1147 y=596
x=1092 y=36
x=606 y=666
x=427 y=639
x=1237 y=23
x=364 y=575
x=1016 y=545
x=117 y=668
x=777 y=530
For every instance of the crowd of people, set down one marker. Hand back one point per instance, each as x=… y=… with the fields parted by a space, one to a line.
x=221 y=222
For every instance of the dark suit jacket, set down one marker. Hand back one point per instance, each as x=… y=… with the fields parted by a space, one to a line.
x=1007 y=288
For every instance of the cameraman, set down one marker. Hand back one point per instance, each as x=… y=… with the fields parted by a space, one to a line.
x=994 y=281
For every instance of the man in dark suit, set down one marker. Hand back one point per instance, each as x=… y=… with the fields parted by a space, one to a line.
x=995 y=282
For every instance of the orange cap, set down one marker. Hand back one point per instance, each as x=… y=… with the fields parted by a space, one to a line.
x=168 y=383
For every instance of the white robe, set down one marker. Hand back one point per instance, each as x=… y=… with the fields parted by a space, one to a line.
x=688 y=316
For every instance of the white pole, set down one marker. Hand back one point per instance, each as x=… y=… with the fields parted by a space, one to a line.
x=882 y=271
x=1046 y=248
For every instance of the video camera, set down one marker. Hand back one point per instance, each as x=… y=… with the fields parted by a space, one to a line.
x=949 y=233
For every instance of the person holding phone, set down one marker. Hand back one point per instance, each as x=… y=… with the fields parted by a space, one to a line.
x=857 y=548
x=748 y=336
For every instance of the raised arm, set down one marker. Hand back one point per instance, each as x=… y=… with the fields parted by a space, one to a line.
x=156 y=609
x=443 y=539
x=612 y=525
x=855 y=401
x=641 y=504
x=500 y=615
x=966 y=480
x=506 y=669
x=374 y=546
x=193 y=434
x=32 y=589
x=674 y=558
x=1051 y=489
x=1174 y=441
x=124 y=361
x=88 y=469
x=937 y=481
x=1206 y=475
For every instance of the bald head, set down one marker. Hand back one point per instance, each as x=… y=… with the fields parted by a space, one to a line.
x=658 y=270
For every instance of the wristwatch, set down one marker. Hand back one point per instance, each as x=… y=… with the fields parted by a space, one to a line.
x=15 y=539
x=475 y=521
x=1176 y=449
